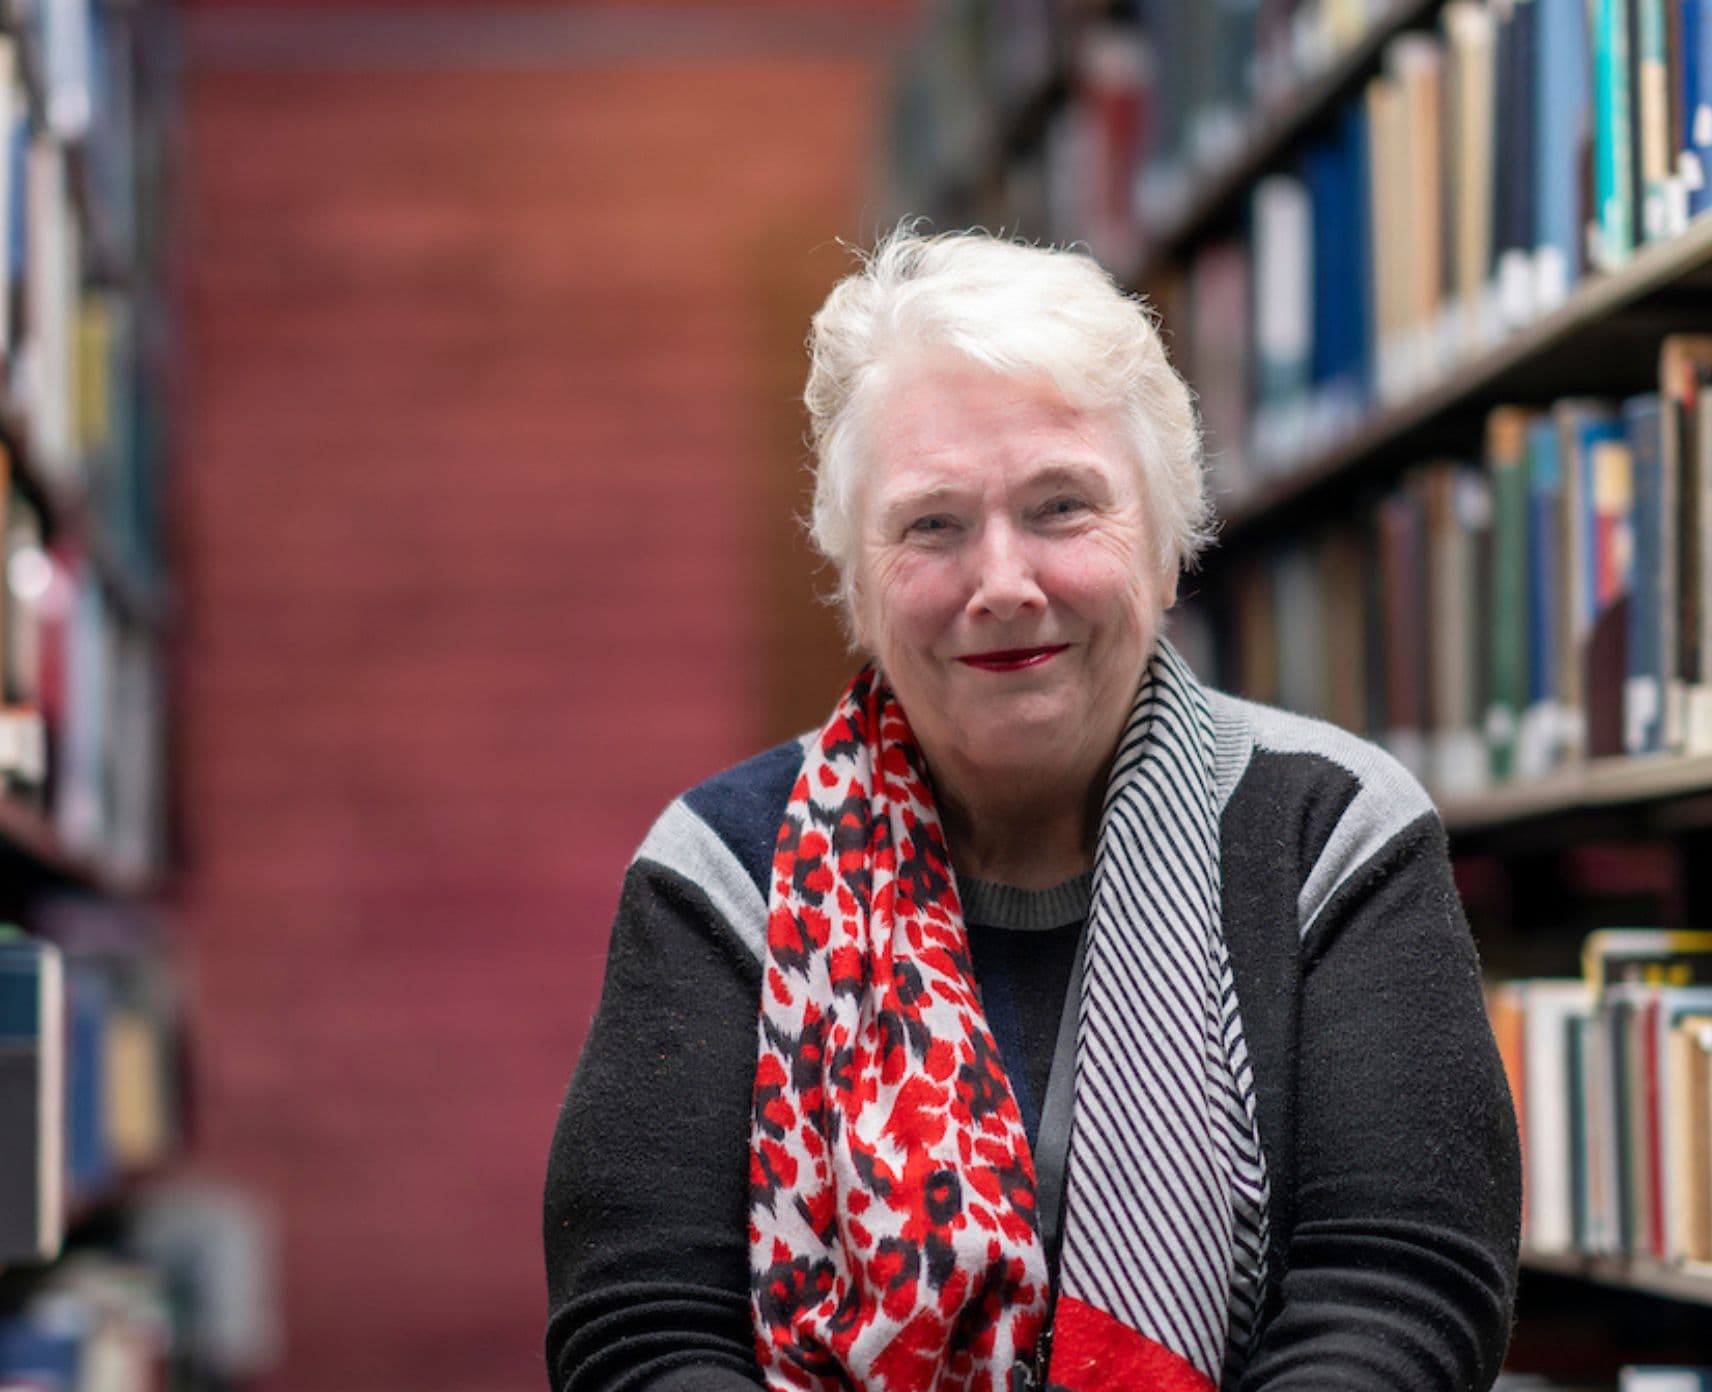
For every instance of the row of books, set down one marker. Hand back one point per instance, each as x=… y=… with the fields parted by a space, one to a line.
x=90 y=1080
x=1491 y=165
x=101 y=1324
x=1214 y=72
x=69 y=359
x=1505 y=617
x=1612 y=1078
x=82 y=725
x=185 y=1296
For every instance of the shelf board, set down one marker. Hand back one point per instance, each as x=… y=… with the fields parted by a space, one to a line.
x=1600 y=783
x=1635 y=1274
x=27 y=836
x=1274 y=130
x=1581 y=324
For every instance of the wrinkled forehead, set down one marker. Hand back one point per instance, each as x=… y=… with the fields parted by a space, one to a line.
x=957 y=425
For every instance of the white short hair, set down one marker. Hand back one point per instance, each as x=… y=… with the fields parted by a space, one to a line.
x=1023 y=311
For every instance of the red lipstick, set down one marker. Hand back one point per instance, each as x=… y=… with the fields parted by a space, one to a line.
x=1012 y=659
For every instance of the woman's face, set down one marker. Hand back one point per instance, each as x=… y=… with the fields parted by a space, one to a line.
x=1006 y=579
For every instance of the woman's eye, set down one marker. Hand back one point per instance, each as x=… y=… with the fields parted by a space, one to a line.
x=1064 y=507
x=935 y=524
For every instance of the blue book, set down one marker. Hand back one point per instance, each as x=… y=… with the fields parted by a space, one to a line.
x=1564 y=96
x=38 y=1357
x=1643 y=691
x=88 y=1164
x=1323 y=178
x=1358 y=249
x=1697 y=78
x=1592 y=429
x=1334 y=189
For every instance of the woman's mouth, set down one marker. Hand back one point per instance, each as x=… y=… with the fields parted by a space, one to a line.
x=1012 y=659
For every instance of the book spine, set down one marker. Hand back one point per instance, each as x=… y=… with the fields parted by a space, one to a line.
x=1613 y=134
x=1652 y=104
x=1643 y=695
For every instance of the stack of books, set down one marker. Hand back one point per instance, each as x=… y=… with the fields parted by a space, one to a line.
x=1612 y=1078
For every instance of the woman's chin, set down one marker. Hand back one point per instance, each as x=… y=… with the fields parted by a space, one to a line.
x=1022 y=753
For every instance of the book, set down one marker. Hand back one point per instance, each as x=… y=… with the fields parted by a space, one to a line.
x=1220 y=314
x=1664 y=1379
x=1507 y=638
x=1564 y=94
x=1684 y=360
x=1552 y=1009
x=1610 y=466
x=1689 y=1141
x=1658 y=956
x=1402 y=564
x=1541 y=741
x=1469 y=81
x=1458 y=508
x=1648 y=657
x=1283 y=294
x=1415 y=62
x=1696 y=160
x=1515 y=235
x=1652 y=105
x=32 y=1086
x=1677 y=1168
x=1613 y=160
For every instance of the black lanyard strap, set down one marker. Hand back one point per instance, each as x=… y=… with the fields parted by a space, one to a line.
x=1057 y=1115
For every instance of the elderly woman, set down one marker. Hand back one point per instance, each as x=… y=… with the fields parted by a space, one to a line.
x=1045 y=1018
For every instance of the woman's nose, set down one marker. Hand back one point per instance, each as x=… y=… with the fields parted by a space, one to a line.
x=1004 y=583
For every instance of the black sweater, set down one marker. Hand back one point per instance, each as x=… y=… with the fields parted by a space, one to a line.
x=1382 y=1107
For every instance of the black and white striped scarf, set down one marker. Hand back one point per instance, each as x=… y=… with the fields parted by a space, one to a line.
x=1165 y=1226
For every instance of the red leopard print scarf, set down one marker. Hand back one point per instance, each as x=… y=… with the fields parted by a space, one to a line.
x=891 y=1181
x=893 y=1240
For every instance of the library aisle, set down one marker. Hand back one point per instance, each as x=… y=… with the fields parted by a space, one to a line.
x=486 y=459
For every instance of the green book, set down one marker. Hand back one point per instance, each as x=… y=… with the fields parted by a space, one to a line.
x=1507 y=633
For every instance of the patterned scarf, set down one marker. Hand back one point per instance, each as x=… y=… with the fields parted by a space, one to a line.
x=893 y=1238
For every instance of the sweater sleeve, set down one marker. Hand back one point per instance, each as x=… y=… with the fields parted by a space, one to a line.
x=1401 y=1264
x=645 y=1215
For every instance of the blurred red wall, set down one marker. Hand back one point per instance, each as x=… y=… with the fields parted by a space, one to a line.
x=482 y=470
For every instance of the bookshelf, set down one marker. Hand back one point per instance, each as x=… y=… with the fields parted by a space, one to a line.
x=1506 y=326
x=94 y=1109
x=1603 y=336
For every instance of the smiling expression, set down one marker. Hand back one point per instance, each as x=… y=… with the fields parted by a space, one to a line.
x=1006 y=578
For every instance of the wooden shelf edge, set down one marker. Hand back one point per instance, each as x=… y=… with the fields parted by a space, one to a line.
x=1634 y=1274
x=1593 y=301
x=1599 y=783
x=1273 y=129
